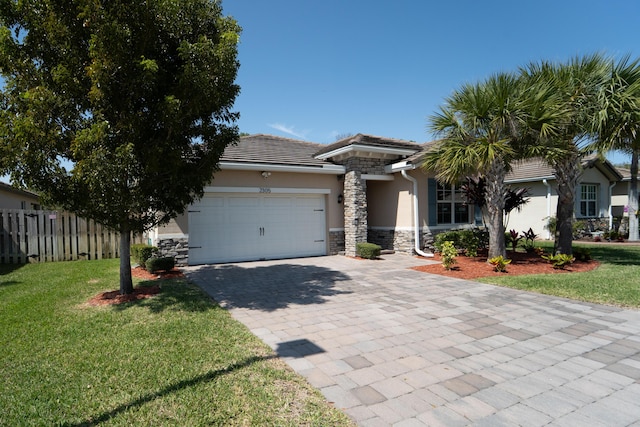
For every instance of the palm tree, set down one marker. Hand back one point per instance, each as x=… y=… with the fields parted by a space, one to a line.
x=576 y=84
x=617 y=124
x=480 y=125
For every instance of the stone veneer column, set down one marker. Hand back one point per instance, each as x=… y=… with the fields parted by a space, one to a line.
x=355 y=212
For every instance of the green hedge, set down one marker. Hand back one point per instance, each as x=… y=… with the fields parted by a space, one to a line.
x=160 y=264
x=141 y=252
x=368 y=250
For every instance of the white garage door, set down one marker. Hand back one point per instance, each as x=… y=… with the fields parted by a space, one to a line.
x=246 y=227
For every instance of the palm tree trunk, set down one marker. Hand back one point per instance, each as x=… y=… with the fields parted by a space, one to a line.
x=494 y=194
x=567 y=172
x=126 y=283
x=633 y=198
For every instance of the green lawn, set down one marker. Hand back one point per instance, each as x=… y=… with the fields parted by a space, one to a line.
x=175 y=359
x=615 y=282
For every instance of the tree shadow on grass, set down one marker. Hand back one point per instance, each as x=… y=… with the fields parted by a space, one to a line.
x=6 y=269
x=616 y=254
x=174 y=295
x=149 y=397
x=268 y=288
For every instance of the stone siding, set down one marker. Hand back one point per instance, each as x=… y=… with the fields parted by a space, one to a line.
x=355 y=212
x=178 y=248
x=399 y=240
x=364 y=165
x=336 y=242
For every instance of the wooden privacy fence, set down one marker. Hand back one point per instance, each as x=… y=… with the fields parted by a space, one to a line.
x=46 y=236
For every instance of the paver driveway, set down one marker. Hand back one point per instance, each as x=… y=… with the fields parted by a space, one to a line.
x=393 y=346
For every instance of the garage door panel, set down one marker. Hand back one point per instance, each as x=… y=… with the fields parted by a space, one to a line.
x=240 y=227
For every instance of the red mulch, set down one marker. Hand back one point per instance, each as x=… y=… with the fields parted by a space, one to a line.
x=141 y=292
x=522 y=263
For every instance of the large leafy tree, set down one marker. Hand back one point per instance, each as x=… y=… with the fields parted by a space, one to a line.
x=617 y=124
x=118 y=110
x=576 y=84
x=480 y=125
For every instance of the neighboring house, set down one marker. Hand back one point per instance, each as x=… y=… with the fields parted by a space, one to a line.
x=620 y=197
x=14 y=198
x=593 y=201
x=282 y=198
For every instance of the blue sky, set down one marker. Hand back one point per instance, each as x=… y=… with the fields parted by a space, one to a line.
x=313 y=70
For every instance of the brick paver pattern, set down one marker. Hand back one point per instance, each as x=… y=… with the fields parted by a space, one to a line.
x=393 y=346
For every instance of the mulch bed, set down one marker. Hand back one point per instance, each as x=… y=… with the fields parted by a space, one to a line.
x=522 y=263
x=140 y=292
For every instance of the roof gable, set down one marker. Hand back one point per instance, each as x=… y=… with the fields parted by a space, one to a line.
x=368 y=143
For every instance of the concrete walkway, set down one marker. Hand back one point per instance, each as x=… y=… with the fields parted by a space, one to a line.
x=392 y=346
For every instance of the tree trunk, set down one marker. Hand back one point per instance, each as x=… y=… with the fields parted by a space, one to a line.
x=633 y=198
x=567 y=173
x=494 y=194
x=126 y=283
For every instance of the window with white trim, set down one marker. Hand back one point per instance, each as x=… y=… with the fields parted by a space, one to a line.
x=450 y=205
x=589 y=200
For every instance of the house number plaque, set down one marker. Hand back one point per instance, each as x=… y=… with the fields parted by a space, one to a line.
x=265 y=190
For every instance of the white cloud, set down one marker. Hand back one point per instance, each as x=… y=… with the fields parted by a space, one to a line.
x=289 y=130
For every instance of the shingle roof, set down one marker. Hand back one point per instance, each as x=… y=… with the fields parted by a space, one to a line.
x=531 y=169
x=368 y=140
x=526 y=170
x=269 y=149
x=626 y=173
x=10 y=188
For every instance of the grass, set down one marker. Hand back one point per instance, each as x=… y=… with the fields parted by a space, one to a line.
x=175 y=359
x=615 y=282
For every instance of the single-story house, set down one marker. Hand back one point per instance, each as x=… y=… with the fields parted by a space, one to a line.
x=15 y=198
x=276 y=197
x=595 y=198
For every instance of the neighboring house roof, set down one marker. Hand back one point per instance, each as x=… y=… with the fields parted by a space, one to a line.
x=626 y=173
x=12 y=189
x=538 y=169
x=529 y=170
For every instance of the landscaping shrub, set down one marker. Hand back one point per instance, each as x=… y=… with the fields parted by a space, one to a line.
x=500 y=263
x=368 y=250
x=160 y=264
x=452 y=236
x=582 y=253
x=559 y=261
x=469 y=240
x=141 y=252
x=448 y=253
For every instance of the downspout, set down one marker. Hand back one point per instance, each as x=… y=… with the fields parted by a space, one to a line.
x=610 y=202
x=544 y=181
x=416 y=219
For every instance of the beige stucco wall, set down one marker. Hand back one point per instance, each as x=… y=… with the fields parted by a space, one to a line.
x=283 y=180
x=534 y=214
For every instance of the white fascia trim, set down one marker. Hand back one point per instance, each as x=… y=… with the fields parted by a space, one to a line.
x=325 y=169
x=372 y=177
x=366 y=148
x=267 y=190
x=400 y=166
x=331 y=230
x=532 y=180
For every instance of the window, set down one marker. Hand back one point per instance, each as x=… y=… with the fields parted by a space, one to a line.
x=450 y=205
x=589 y=200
